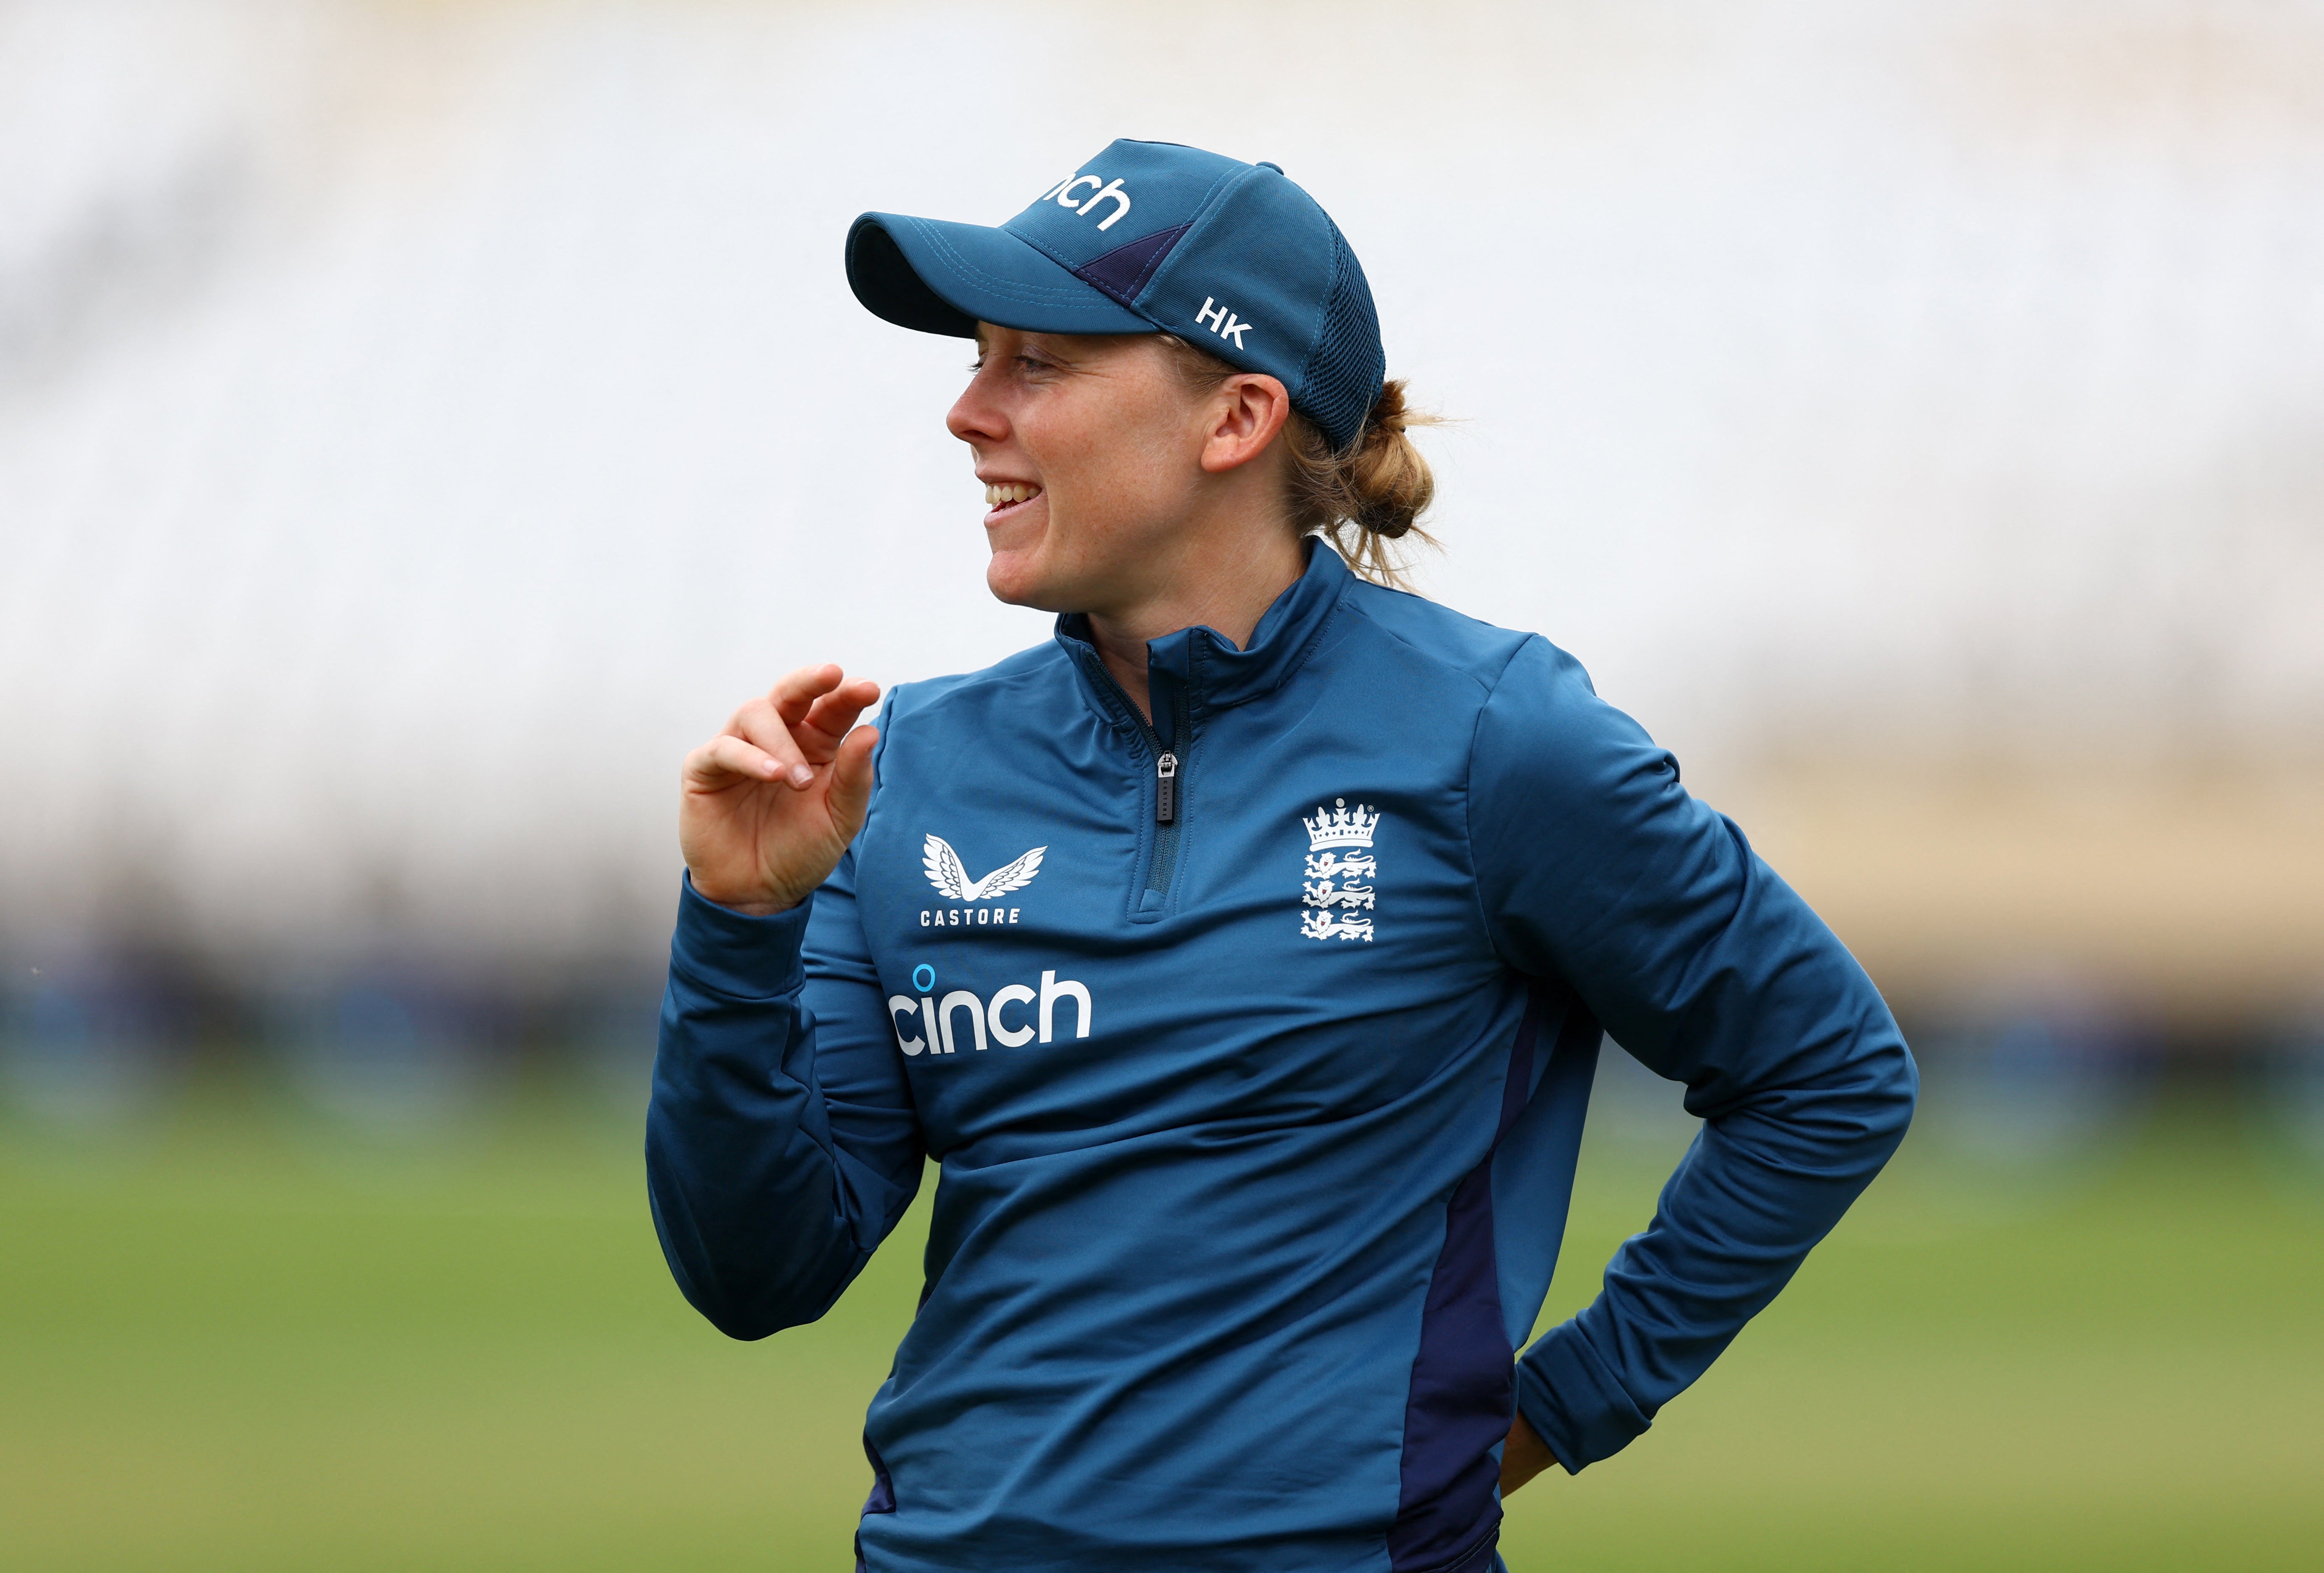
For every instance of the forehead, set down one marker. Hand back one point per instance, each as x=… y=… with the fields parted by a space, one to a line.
x=1070 y=346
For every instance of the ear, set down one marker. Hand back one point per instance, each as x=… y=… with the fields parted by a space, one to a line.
x=1244 y=415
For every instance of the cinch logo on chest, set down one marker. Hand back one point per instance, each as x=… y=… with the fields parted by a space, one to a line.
x=936 y=1017
x=950 y=877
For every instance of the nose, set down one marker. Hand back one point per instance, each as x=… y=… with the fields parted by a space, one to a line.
x=976 y=417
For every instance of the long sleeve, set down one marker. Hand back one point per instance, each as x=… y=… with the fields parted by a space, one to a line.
x=781 y=1143
x=1597 y=867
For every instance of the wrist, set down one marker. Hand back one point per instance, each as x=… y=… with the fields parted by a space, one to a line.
x=749 y=904
x=738 y=954
x=751 y=908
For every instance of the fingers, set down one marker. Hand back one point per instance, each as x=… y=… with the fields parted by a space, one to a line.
x=803 y=717
x=727 y=759
x=760 y=724
x=786 y=735
x=797 y=691
x=851 y=779
x=830 y=717
x=1524 y=1455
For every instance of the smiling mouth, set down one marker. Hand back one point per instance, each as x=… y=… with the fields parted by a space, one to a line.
x=1007 y=497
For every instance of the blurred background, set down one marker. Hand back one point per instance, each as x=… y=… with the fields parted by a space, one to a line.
x=421 y=420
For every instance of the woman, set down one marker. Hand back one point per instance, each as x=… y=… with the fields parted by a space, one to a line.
x=1242 y=956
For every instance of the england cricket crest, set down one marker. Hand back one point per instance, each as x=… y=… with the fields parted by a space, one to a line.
x=1338 y=888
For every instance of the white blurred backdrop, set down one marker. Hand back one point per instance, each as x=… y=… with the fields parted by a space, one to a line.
x=419 y=423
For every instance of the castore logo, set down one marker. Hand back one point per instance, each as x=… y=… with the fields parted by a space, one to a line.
x=948 y=874
x=950 y=877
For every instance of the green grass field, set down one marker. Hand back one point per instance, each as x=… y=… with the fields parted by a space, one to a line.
x=245 y=1340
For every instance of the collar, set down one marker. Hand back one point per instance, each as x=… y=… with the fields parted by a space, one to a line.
x=1203 y=665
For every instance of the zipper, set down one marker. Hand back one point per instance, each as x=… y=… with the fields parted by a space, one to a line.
x=1169 y=774
x=1169 y=792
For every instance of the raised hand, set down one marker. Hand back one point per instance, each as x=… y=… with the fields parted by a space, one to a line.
x=767 y=806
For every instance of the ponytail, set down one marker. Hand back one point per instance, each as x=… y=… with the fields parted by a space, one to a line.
x=1373 y=492
x=1362 y=497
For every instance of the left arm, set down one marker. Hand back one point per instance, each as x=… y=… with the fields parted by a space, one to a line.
x=1596 y=866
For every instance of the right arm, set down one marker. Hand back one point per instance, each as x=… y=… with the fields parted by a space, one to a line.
x=782 y=1145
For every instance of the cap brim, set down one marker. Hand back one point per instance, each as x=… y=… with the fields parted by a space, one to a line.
x=938 y=277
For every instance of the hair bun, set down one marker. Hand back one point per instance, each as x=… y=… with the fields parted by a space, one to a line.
x=1381 y=486
x=1388 y=415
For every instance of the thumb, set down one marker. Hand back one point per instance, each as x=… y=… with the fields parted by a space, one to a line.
x=851 y=779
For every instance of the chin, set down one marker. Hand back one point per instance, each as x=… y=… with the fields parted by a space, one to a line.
x=1017 y=583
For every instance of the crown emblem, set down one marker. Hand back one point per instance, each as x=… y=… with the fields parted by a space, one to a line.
x=1340 y=826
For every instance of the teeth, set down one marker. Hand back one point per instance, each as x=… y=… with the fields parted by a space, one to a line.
x=994 y=497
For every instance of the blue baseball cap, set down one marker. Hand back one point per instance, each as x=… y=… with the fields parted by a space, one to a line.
x=1150 y=236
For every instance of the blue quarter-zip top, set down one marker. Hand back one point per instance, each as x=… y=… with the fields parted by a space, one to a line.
x=1253 y=1045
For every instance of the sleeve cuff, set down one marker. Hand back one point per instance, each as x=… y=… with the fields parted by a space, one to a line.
x=1567 y=1395
x=735 y=955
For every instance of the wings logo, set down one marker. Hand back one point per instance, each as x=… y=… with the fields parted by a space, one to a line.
x=951 y=879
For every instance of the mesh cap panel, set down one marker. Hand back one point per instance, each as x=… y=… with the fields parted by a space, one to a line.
x=1341 y=379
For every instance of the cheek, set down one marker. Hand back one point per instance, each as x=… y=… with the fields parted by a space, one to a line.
x=1120 y=466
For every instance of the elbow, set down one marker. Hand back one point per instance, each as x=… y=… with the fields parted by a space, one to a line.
x=1860 y=1102
x=752 y=1260
x=739 y=1288
x=1869 y=1068
x=744 y=1324
x=744 y=1314
x=1888 y=1087
x=704 y=1274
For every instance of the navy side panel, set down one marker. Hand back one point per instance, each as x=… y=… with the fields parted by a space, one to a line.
x=881 y=1500
x=1463 y=1387
x=1533 y=1168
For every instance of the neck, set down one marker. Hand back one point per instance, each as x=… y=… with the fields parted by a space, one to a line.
x=1226 y=591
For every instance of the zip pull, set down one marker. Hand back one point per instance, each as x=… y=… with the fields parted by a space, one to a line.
x=1165 y=789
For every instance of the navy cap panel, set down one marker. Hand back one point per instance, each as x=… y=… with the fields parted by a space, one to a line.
x=1123 y=272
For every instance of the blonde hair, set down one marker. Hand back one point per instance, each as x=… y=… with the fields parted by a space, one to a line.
x=1361 y=498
